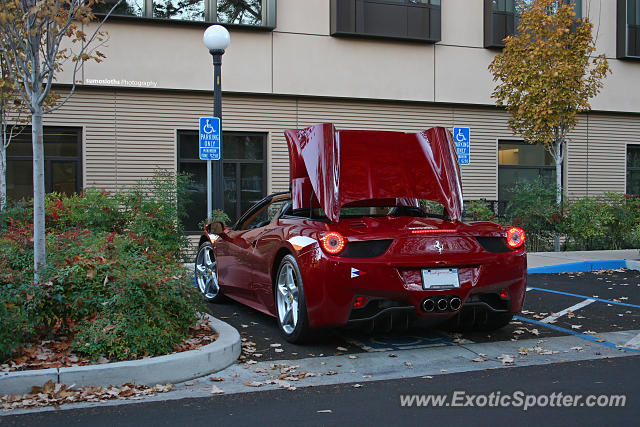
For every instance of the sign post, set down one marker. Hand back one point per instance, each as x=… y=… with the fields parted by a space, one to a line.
x=209 y=149
x=462 y=138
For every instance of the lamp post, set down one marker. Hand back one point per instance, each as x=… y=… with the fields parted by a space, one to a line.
x=216 y=39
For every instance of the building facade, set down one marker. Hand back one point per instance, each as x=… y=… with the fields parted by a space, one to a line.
x=401 y=65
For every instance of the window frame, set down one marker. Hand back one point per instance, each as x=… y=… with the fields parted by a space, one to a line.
x=512 y=17
x=210 y=16
x=622 y=32
x=540 y=168
x=629 y=169
x=345 y=19
x=237 y=162
x=49 y=160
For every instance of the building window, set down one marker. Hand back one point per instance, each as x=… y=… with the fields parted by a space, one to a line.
x=248 y=12
x=633 y=169
x=628 y=29
x=501 y=19
x=245 y=173
x=62 y=162
x=185 y=10
x=256 y=13
x=397 y=19
x=124 y=8
x=521 y=162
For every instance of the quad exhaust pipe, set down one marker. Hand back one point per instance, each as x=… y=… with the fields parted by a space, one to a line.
x=446 y=303
x=428 y=305
x=455 y=303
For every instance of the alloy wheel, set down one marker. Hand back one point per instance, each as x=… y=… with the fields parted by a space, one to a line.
x=287 y=294
x=206 y=274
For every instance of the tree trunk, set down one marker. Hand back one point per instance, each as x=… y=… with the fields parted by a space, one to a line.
x=558 y=157
x=3 y=176
x=39 y=251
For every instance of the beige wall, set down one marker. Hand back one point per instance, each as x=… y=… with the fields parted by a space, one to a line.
x=301 y=58
x=130 y=133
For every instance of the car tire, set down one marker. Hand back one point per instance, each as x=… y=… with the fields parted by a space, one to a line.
x=290 y=301
x=206 y=273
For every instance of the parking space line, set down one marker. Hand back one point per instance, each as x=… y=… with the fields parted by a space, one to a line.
x=555 y=316
x=577 y=334
x=633 y=342
x=586 y=297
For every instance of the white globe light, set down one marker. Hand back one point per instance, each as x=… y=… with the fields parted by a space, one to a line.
x=216 y=37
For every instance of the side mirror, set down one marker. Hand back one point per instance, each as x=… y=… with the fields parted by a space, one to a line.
x=216 y=227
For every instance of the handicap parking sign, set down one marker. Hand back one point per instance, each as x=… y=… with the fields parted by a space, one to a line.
x=209 y=138
x=462 y=139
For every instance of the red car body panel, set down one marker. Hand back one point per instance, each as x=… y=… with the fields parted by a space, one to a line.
x=344 y=166
x=352 y=167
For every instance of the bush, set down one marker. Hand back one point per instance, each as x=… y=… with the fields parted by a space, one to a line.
x=605 y=222
x=114 y=278
x=479 y=210
x=534 y=209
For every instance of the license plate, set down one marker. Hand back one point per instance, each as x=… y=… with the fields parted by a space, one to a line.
x=440 y=278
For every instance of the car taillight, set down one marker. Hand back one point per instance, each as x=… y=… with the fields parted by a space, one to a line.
x=333 y=242
x=504 y=293
x=432 y=230
x=515 y=237
x=360 y=302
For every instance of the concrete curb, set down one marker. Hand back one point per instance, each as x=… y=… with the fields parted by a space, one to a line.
x=172 y=368
x=583 y=266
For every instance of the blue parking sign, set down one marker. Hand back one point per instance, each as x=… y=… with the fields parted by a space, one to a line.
x=462 y=139
x=210 y=143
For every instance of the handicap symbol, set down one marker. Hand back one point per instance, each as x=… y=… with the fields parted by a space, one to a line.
x=207 y=128
x=460 y=136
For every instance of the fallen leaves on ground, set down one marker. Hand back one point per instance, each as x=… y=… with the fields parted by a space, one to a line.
x=56 y=394
x=506 y=359
x=216 y=390
x=57 y=353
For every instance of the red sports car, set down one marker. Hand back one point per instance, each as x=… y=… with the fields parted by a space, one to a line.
x=357 y=240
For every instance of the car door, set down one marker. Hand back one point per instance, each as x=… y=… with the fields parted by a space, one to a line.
x=237 y=255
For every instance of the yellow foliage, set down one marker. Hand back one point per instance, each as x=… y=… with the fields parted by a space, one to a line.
x=545 y=73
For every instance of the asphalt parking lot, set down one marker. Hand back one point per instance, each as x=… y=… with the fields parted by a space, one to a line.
x=582 y=304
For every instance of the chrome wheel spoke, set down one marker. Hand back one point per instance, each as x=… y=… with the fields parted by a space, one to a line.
x=283 y=290
x=294 y=310
x=288 y=317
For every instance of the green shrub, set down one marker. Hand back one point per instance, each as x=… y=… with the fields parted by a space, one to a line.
x=147 y=308
x=93 y=209
x=114 y=278
x=479 y=210
x=533 y=208
x=602 y=222
x=14 y=329
x=19 y=210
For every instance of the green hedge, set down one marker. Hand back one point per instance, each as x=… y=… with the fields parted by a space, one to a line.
x=114 y=279
x=609 y=221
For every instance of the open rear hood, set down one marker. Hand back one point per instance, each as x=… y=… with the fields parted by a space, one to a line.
x=332 y=168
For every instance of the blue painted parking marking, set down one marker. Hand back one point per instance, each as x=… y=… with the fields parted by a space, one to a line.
x=580 y=267
x=624 y=304
x=576 y=334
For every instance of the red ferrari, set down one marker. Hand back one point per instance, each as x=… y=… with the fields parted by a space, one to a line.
x=357 y=240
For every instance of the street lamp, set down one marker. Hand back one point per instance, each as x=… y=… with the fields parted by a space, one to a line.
x=216 y=39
